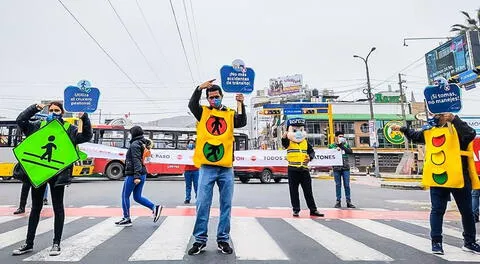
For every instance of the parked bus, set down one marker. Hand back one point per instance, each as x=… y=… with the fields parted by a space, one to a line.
x=118 y=136
x=11 y=136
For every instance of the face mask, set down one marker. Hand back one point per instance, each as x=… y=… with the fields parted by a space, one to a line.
x=191 y=146
x=216 y=102
x=298 y=135
x=342 y=140
x=53 y=116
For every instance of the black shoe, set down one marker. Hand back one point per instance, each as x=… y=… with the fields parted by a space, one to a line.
x=186 y=202
x=472 y=247
x=197 y=248
x=22 y=250
x=124 y=222
x=20 y=210
x=316 y=213
x=157 y=212
x=45 y=202
x=338 y=204
x=476 y=218
x=437 y=248
x=296 y=213
x=55 y=250
x=225 y=248
x=350 y=205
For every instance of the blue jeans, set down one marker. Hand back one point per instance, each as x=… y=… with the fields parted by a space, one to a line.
x=209 y=175
x=339 y=175
x=475 y=201
x=129 y=187
x=439 y=198
x=191 y=177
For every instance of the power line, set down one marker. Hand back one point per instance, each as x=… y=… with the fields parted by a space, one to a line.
x=395 y=74
x=104 y=51
x=181 y=41
x=196 y=36
x=133 y=40
x=151 y=32
x=191 y=38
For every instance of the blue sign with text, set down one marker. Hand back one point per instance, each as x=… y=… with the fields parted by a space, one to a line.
x=443 y=98
x=467 y=76
x=237 y=78
x=82 y=98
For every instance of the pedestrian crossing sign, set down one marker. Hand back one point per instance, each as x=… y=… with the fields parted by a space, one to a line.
x=45 y=153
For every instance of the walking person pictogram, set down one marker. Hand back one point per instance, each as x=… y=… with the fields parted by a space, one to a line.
x=216 y=125
x=49 y=149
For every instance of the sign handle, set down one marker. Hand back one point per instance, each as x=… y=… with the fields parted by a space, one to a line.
x=239 y=108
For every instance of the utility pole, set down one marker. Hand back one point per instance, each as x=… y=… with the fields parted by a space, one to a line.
x=402 y=96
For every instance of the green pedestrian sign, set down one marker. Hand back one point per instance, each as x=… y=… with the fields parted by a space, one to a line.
x=46 y=153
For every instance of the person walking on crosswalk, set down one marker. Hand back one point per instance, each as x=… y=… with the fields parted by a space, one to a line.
x=214 y=156
x=448 y=169
x=135 y=177
x=58 y=182
x=191 y=176
x=299 y=154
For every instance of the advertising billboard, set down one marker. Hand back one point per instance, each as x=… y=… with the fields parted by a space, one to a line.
x=449 y=59
x=285 y=85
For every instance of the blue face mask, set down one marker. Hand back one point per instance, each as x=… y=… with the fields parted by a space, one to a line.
x=217 y=102
x=298 y=135
x=53 y=116
x=190 y=146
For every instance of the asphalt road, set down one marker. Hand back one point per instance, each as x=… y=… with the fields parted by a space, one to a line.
x=389 y=226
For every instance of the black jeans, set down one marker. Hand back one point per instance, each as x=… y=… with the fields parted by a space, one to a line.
x=298 y=176
x=58 y=209
x=24 y=194
x=439 y=198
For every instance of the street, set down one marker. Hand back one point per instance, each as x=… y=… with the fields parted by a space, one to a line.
x=388 y=226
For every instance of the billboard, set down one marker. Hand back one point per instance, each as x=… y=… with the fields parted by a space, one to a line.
x=449 y=59
x=285 y=85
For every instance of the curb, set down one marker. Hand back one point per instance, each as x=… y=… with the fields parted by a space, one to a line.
x=400 y=186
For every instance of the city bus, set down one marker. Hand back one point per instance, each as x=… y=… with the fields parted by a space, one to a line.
x=11 y=136
x=116 y=138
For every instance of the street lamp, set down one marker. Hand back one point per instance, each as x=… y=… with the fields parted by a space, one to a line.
x=372 y=117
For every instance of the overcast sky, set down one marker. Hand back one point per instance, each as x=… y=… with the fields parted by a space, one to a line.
x=43 y=49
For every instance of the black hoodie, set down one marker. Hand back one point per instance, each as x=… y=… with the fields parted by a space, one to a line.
x=134 y=159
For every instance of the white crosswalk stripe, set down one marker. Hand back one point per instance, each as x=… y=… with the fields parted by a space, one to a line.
x=251 y=240
x=451 y=253
x=171 y=237
x=261 y=246
x=79 y=245
x=345 y=248
x=14 y=236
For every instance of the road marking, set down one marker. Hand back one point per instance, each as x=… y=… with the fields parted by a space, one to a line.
x=95 y=206
x=4 y=219
x=446 y=230
x=78 y=246
x=345 y=248
x=168 y=242
x=252 y=241
x=451 y=253
x=14 y=236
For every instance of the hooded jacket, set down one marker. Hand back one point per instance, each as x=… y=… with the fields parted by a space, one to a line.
x=29 y=127
x=134 y=165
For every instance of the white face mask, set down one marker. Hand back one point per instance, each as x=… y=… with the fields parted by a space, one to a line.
x=342 y=140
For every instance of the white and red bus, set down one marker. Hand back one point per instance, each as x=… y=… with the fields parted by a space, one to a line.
x=115 y=139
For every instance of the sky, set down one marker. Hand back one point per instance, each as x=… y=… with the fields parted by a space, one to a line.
x=43 y=49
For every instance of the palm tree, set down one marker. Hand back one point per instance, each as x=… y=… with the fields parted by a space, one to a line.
x=472 y=24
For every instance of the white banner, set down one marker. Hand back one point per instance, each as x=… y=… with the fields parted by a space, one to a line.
x=246 y=158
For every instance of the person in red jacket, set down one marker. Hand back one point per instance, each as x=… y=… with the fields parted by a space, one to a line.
x=191 y=176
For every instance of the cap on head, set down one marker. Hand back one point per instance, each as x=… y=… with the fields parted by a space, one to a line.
x=297 y=122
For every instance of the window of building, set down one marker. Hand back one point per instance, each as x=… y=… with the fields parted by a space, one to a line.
x=364 y=128
x=365 y=140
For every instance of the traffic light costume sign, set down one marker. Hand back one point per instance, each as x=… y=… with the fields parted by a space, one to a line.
x=46 y=153
x=443 y=162
x=215 y=138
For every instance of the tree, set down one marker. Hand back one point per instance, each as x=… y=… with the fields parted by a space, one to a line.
x=472 y=24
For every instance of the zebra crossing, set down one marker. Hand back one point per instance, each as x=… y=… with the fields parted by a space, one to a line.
x=253 y=239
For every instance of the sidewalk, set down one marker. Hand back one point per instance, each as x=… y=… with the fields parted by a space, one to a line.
x=386 y=180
